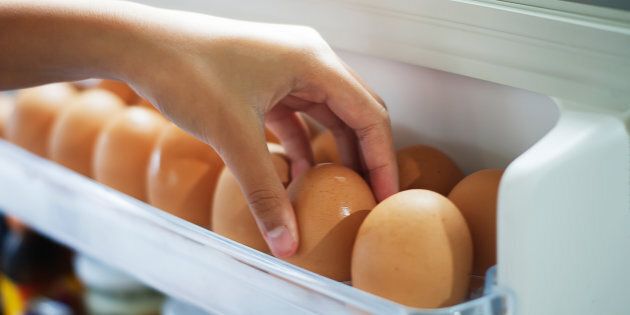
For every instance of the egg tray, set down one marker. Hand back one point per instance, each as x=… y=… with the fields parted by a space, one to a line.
x=179 y=258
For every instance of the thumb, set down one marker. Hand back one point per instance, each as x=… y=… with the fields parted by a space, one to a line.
x=244 y=150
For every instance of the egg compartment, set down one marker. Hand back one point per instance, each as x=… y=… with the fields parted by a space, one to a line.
x=179 y=258
x=477 y=123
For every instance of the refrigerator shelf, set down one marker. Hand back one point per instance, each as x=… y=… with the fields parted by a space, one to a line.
x=178 y=258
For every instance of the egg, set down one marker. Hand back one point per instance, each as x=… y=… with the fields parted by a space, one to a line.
x=6 y=108
x=182 y=175
x=123 y=149
x=425 y=167
x=231 y=216
x=124 y=91
x=330 y=202
x=143 y=102
x=476 y=198
x=36 y=110
x=325 y=148
x=73 y=135
x=414 y=248
x=271 y=137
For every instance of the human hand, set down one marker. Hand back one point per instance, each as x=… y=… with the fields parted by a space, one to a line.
x=221 y=79
x=218 y=79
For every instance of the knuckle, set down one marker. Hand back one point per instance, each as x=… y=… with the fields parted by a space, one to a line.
x=377 y=168
x=382 y=102
x=310 y=31
x=314 y=45
x=368 y=132
x=264 y=203
x=383 y=115
x=375 y=129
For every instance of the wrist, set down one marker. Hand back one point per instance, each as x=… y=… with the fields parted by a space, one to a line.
x=120 y=43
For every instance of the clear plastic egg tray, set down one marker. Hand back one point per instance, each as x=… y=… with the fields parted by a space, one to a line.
x=178 y=258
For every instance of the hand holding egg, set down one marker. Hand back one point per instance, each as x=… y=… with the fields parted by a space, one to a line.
x=220 y=80
x=240 y=76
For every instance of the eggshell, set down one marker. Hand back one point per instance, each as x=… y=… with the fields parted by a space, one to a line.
x=271 y=137
x=143 y=102
x=6 y=108
x=414 y=248
x=182 y=175
x=73 y=135
x=280 y=162
x=123 y=149
x=424 y=167
x=476 y=198
x=36 y=109
x=330 y=202
x=231 y=216
x=124 y=91
x=325 y=148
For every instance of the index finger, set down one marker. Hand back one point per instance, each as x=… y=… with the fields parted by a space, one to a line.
x=369 y=119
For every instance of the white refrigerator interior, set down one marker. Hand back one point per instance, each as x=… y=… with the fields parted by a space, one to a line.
x=541 y=92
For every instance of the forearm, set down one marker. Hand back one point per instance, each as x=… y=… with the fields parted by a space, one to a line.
x=48 y=41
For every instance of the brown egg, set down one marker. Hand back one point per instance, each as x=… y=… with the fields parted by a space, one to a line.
x=6 y=108
x=124 y=91
x=476 y=198
x=182 y=175
x=231 y=216
x=414 y=248
x=73 y=135
x=325 y=148
x=280 y=162
x=424 y=167
x=123 y=150
x=36 y=109
x=271 y=137
x=143 y=102
x=330 y=202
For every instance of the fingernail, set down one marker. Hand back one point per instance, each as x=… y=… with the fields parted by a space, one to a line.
x=281 y=242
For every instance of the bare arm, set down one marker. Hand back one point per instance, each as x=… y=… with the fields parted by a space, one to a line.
x=50 y=41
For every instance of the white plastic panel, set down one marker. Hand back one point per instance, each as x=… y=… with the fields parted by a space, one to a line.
x=572 y=56
x=477 y=123
x=564 y=218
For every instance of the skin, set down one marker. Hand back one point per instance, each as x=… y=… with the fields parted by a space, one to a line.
x=221 y=80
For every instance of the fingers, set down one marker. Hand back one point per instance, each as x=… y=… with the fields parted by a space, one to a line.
x=345 y=138
x=363 y=84
x=291 y=131
x=242 y=146
x=369 y=119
